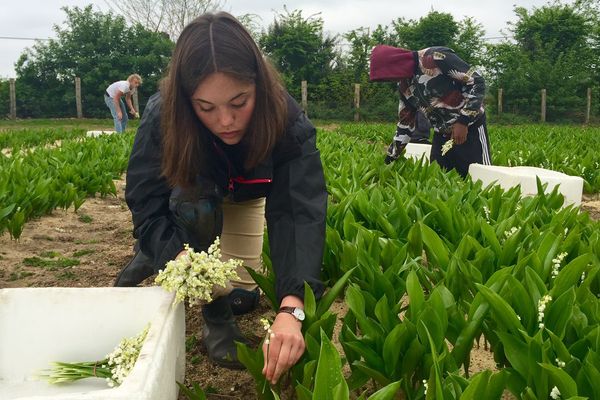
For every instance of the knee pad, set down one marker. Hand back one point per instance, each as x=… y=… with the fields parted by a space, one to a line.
x=197 y=210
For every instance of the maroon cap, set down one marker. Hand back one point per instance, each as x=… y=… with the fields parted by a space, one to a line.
x=391 y=63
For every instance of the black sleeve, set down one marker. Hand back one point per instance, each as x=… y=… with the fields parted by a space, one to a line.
x=296 y=209
x=147 y=192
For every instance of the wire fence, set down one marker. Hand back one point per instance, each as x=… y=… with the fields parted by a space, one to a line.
x=347 y=102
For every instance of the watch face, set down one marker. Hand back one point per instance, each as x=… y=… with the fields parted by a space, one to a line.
x=299 y=314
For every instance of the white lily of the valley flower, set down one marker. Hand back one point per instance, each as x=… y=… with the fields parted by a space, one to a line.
x=123 y=357
x=194 y=275
x=542 y=303
x=555 y=393
x=556 y=264
x=509 y=233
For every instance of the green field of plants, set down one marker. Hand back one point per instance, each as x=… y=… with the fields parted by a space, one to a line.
x=427 y=264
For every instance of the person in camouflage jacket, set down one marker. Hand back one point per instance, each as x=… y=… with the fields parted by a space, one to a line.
x=448 y=91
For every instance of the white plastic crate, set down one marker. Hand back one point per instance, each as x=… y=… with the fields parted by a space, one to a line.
x=98 y=133
x=571 y=187
x=41 y=325
x=417 y=151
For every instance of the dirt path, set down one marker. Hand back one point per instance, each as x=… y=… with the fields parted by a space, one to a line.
x=88 y=248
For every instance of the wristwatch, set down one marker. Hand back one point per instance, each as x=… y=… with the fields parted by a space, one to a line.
x=298 y=313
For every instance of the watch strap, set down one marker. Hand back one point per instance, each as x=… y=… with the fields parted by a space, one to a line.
x=288 y=310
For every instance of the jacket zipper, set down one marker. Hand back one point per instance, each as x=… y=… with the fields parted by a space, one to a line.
x=238 y=179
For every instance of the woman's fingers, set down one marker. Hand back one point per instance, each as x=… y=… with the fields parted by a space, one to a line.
x=284 y=350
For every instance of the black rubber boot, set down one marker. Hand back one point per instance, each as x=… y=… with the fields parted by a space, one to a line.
x=138 y=269
x=243 y=301
x=220 y=332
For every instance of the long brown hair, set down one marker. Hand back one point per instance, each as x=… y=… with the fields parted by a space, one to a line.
x=216 y=43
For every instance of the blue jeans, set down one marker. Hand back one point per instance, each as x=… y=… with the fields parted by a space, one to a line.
x=121 y=124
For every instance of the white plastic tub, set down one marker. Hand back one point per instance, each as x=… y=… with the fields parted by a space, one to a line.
x=41 y=325
x=98 y=133
x=571 y=187
x=417 y=151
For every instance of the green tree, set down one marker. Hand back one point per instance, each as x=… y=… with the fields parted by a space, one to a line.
x=299 y=48
x=97 y=47
x=553 y=50
x=440 y=29
x=434 y=29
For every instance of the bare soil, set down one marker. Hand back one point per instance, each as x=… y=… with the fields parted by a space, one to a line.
x=89 y=247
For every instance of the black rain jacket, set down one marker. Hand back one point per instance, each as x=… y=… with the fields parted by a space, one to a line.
x=291 y=179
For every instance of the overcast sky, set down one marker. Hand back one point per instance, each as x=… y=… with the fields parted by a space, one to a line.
x=35 y=18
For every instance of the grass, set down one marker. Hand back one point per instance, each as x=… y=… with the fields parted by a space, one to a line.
x=191 y=342
x=17 y=274
x=50 y=254
x=84 y=252
x=50 y=264
x=86 y=219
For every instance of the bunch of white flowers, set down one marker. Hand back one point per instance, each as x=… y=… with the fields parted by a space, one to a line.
x=559 y=363
x=194 y=275
x=556 y=264
x=486 y=211
x=123 y=357
x=542 y=303
x=446 y=147
x=509 y=233
x=114 y=368
x=555 y=393
x=425 y=386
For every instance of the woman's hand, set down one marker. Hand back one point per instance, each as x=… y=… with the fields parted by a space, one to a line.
x=286 y=344
x=459 y=133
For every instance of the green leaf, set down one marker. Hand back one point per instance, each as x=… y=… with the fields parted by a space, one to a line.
x=332 y=294
x=559 y=312
x=341 y=391
x=372 y=373
x=477 y=388
x=562 y=380
x=310 y=305
x=502 y=310
x=415 y=294
x=436 y=249
x=393 y=347
x=266 y=285
x=6 y=210
x=570 y=275
x=516 y=352
x=386 y=393
x=196 y=394
x=415 y=242
x=329 y=370
x=303 y=393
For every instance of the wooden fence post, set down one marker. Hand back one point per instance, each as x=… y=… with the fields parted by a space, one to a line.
x=78 y=96
x=305 y=97
x=136 y=101
x=500 y=101
x=13 y=99
x=543 y=105
x=356 y=102
x=588 y=108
